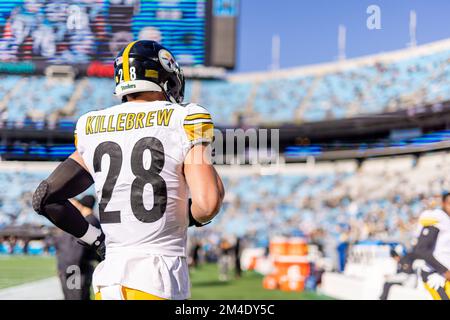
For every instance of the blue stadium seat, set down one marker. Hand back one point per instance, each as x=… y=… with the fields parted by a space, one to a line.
x=375 y=86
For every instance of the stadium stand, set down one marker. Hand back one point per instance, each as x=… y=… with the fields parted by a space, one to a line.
x=371 y=206
x=36 y=98
x=371 y=85
x=15 y=201
x=370 y=202
x=378 y=201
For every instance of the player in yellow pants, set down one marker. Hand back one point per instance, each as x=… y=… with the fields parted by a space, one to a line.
x=441 y=293
x=433 y=246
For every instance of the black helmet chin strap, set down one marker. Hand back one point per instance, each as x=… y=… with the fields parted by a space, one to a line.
x=166 y=95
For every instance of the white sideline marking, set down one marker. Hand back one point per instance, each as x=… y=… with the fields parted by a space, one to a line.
x=47 y=289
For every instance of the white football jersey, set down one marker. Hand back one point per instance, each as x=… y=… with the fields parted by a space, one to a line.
x=135 y=153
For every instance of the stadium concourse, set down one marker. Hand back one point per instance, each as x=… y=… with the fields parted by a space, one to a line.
x=371 y=85
x=327 y=203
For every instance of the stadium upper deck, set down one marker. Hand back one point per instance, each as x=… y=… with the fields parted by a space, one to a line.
x=370 y=85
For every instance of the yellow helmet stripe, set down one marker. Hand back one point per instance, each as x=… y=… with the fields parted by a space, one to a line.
x=126 y=63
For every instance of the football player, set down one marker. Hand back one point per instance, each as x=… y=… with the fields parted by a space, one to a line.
x=433 y=246
x=145 y=156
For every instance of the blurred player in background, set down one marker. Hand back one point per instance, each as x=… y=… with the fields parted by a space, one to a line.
x=144 y=156
x=70 y=253
x=433 y=246
x=237 y=257
x=225 y=259
x=406 y=275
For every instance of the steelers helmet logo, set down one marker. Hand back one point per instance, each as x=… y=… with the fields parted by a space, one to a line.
x=167 y=60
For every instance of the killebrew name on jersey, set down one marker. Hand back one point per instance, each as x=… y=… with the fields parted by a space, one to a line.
x=127 y=121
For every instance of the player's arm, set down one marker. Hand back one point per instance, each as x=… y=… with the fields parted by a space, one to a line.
x=51 y=199
x=204 y=183
x=425 y=247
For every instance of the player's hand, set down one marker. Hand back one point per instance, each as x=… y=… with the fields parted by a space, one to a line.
x=101 y=250
x=99 y=246
x=436 y=281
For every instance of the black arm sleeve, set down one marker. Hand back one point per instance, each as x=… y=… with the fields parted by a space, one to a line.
x=68 y=180
x=66 y=217
x=51 y=197
x=425 y=247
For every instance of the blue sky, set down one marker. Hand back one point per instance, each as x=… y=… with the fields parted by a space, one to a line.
x=308 y=29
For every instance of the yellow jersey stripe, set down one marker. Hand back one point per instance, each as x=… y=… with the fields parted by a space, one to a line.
x=198 y=116
x=126 y=62
x=203 y=136
x=199 y=131
x=428 y=222
x=199 y=126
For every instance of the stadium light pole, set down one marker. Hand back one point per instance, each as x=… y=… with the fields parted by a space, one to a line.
x=412 y=28
x=342 y=42
x=276 y=52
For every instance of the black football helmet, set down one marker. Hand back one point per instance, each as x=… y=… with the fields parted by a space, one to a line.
x=146 y=65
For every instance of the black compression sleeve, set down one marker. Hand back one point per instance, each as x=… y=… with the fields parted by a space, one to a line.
x=67 y=181
x=66 y=217
x=425 y=247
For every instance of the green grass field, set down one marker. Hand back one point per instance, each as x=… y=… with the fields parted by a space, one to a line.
x=205 y=283
x=206 y=286
x=17 y=270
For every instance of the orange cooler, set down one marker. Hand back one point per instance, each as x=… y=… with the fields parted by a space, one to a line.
x=270 y=282
x=297 y=247
x=291 y=264
x=284 y=266
x=292 y=285
x=278 y=246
